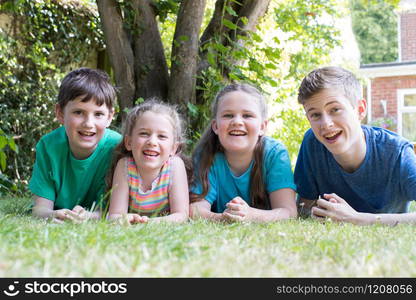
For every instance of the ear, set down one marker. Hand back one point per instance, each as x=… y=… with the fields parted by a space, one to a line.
x=214 y=126
x=127 y=142
x=263 y=127
x=110 y=117
x=59 y=113
x=362 y=109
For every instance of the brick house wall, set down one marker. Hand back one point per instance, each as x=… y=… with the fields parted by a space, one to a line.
x=385 y=88
x=386 y=82
x=408 y=36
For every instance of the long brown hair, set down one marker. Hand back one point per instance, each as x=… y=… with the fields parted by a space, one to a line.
x=156 y=106
x=209 y=145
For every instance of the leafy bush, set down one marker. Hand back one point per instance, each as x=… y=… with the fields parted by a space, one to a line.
x=45 y=39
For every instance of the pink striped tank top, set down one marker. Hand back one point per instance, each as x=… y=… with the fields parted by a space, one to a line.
x=154 y=201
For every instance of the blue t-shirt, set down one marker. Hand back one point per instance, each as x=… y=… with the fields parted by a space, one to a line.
x=384 y=183
x=224 y=185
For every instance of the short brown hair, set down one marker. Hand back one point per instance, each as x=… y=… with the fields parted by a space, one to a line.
x=88 y=84
x=330 y=78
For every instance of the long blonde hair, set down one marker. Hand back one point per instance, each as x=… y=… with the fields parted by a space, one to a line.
x=209 y=145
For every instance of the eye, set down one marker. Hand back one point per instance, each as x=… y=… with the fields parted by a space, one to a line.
x=77 y=112
x=247 y=115
x=162 y=136
x=314 y=116
x=144 y=134
x=227 y=115
x=335 y=109
x=99 y=114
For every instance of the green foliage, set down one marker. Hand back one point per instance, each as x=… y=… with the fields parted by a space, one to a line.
x=291 y=133
x=308 y=29
x=375 y=27
x=44 y=40
x=6 y=185
x=387 y=122
x=310 y=24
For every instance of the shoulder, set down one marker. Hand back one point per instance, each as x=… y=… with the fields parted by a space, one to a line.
x=309 y=137
x=273 y=147
x=109 y=141
x=55 y=136
x=122 y=165
x=54 y=141
x=384 y=139
x=112 y=137
x=123 y=161
x=270 y=144
x=177 y=162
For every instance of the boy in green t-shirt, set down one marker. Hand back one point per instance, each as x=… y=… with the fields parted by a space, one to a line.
x=68 y=177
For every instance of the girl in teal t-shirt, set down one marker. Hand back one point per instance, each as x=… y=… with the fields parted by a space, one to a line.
x=240 y=175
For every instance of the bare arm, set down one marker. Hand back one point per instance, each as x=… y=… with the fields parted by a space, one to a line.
x=178 y=195
x=202 y=209
x=43 y=208
x=339 y=210
x=119 y=200
x=283 y=206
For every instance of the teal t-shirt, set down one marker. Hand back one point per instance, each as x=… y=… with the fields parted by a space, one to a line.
x=60 y=177
x=224 y=185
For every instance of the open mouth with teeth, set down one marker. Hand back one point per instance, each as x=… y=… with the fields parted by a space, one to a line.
x=333 y=135
x=86 y=134
x=237 y=133
x=150 y=153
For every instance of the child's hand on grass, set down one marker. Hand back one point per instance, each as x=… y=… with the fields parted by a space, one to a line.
x=337 y=209
x=237 y=210
x=129 y=219
x=61 y=215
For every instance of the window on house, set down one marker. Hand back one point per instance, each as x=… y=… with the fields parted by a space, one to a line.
x=407 y=114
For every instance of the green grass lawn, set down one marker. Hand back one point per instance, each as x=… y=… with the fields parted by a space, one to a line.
x=298 y=248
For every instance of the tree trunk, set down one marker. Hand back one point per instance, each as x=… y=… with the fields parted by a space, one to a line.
x=119 y=50
x=149 y=58
x=185 y=51
x=137 y=55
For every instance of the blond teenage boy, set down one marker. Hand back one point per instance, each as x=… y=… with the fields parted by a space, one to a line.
x=346 y=171
x=72 y=160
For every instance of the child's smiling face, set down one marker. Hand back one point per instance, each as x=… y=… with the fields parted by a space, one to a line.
x=335 y=122
x=85 y=124
x=152 y=141
x=238 y=122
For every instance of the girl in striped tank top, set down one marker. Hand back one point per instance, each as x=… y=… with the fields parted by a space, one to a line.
x=149 y=181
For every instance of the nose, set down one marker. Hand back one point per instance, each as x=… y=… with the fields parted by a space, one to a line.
x=88 y=121
x=151 y=140
x=237 y=120
x=326 y=121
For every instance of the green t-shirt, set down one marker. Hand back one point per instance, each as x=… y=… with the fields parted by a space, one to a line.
x=65 y=180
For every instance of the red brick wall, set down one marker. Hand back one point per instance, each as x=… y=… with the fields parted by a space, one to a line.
x=385 y=88
x=408 y=36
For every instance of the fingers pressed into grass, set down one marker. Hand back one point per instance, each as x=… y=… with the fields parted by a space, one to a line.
x=233 y=217
x=320 y=212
